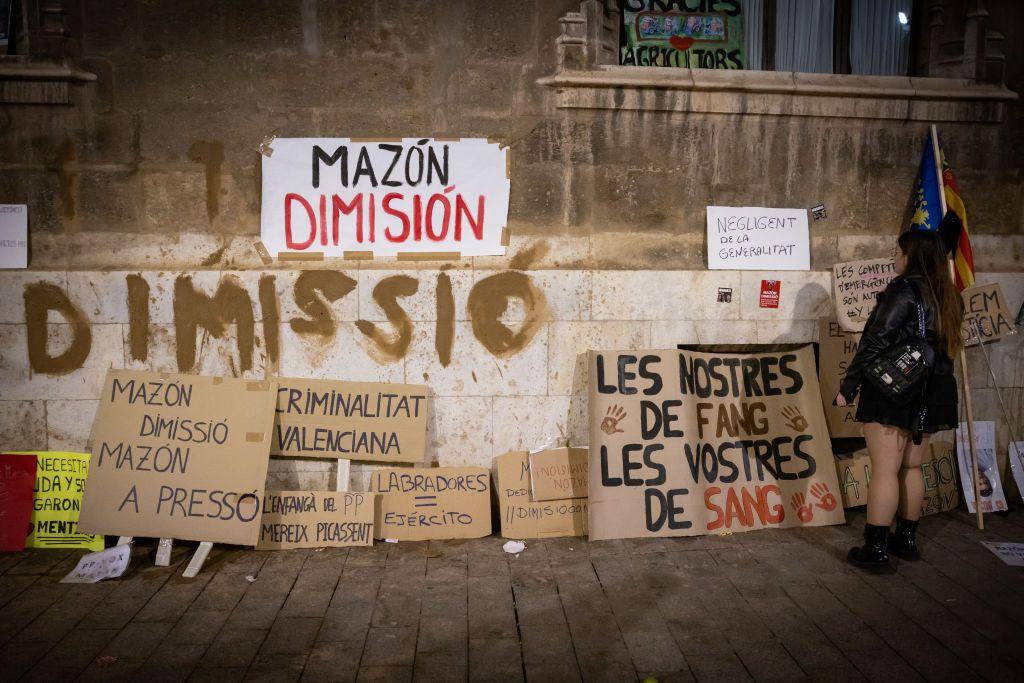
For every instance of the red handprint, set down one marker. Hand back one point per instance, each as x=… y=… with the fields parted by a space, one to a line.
x=610 y=423
x=826 y=501
x=804 y=510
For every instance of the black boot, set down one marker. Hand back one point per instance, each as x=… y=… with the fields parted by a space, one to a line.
x=903 y=541
x=872 y=556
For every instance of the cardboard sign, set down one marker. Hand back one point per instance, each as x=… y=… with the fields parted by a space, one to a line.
x=106 y=564
x=17 y=478
x=985 y=310
x=685 y=443
x=758 y=238
x=1010 y=553
x=836 y=348
x=939 y=472
x=179 y=456
x=420 y=503
x=559 y=473
x=770 y=291
x=652 y=36
x=57 y=501
x=315 y=519
x=857 y=285
x=990 y=483
x=416 y=195
x=13 y=236
x=522 y=518
x=355 y=420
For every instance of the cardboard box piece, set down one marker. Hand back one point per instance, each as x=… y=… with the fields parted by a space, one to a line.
x=522 y=518
x=559 y=473
x=939 y=471
x=315 y=519
x=836 y=348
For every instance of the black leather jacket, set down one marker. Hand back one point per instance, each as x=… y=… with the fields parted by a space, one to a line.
x=893 y=321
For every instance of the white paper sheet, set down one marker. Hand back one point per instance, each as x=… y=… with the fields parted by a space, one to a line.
x=106 y=564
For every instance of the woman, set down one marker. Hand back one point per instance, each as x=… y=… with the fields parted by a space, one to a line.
x=897 y=436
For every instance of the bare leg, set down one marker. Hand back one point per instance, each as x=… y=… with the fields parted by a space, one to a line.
x=885 y=447
x=912 y=480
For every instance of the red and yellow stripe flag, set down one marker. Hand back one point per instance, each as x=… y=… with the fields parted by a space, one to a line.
x=963 y=258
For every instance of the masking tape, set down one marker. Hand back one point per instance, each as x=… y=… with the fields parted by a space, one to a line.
x=261 y=385
x=506 y=236
x=264 y=255
x=358 y=255
x=254 y=437
x=265 y=148
x=300 y=256
x=429 y=256
x=365 y=140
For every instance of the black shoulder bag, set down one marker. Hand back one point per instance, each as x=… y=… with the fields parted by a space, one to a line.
x=901 y=373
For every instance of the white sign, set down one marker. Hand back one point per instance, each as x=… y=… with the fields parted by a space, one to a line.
x=106 y=564
x=13 y=236
x=1017 y=465
x=992 y=496
x=1010 y=553
x=757 y=238
x=389 y=197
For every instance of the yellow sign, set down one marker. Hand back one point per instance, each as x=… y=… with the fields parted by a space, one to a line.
x=60 y=480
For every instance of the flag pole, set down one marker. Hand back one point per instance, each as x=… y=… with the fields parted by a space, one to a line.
x=975 y=472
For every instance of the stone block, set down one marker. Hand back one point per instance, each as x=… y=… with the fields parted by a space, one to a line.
x=421 y=306
x=804 y=295
x=459 y=431
x=13 y=283
x=344 y=355
x=527 y=250
x=69 y=423
x=529 y=422
x=666 y=334
x=570 y=341
x=537 y=194
x=23 y=425
x=175 y=201
x=108 y=201
x=41 y=191
x=727 y=332
x=102 y=297
x=664 y=295
x=344 y=309
x=786 y=331
x=500 y=32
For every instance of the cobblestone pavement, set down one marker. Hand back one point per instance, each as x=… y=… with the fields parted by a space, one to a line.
x=763 y=605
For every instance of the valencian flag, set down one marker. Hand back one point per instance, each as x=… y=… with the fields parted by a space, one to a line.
x=928 y=210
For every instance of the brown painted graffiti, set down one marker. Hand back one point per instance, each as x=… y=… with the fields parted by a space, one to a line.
x=311 y=288
x=194 y=309
x=271 y=318
x=211 y=156
x=138 y=317
x=444 y=333
x=488 y=301
x=40 y=299
x=391 y=346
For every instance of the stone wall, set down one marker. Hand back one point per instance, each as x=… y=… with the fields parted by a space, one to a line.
x=153 y=172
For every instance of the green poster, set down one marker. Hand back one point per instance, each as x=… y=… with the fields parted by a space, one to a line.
x=704 y=34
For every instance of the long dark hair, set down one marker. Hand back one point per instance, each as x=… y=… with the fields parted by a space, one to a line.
x=926 y=260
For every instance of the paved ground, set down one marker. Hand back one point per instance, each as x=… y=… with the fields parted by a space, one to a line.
x=766 y=605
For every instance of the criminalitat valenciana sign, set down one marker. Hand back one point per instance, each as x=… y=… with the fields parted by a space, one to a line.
x=684 y=443
x=333 y=196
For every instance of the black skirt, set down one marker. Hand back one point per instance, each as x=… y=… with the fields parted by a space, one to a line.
x=940 y=403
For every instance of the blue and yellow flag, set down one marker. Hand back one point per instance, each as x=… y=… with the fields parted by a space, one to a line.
x=927 y=203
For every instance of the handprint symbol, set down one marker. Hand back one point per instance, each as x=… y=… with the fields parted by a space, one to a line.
x=804 y=510
x=826 y=501
x=794 y=420
x=610 y=423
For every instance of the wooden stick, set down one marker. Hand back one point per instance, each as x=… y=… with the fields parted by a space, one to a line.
x=976 y=473
x=198 y=558
x=163 y=552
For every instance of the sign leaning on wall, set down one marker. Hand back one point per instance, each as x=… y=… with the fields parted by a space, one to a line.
x=333 y=196
x=757 y=238
x=709 y=39
x=684 y=443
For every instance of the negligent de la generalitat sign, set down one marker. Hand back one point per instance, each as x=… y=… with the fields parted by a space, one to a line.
x=758 y=238
x=332 y=196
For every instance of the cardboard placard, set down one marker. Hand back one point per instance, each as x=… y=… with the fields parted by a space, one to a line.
x=522 y=518
x=17 y=478
x=991 y=484
x=559 y=473
x=422 y=503
x=388 y=197
x=57 y=501
x=179 y=456
x=985 y=308
x=315 y=519
x=684 y=443
x=836 y=348
x=372 y=421
x=939 y=472
x=856 y=285
x=757 y=238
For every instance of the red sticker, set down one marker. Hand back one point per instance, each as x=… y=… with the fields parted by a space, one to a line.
x=770 y=293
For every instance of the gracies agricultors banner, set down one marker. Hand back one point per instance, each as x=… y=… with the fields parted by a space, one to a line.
x=705 y=34
x=684 y=443
x=386 y=197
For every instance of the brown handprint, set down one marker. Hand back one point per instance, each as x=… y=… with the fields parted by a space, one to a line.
x=804 y=510
x=826 y=501
x=794 y=420
x=610 y=423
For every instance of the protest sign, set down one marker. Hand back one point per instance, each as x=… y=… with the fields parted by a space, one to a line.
x=356 y=420
x=985 y=310
x=559 y=473
x=106 y=564
x=990 y=483
x=13 y=236
x=836 y=349
x=333 y=196
x=421 y=503
x=522 y=518
x=179 y=456
x=315 y=519
x=686 y=443
x=757 y=238
x=857 y=285
x=770 y=291
x=938 y=470
x=17 y=478
x=57 y=502
x=1017 y=465
x=654 y=36
x=1010 y=553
